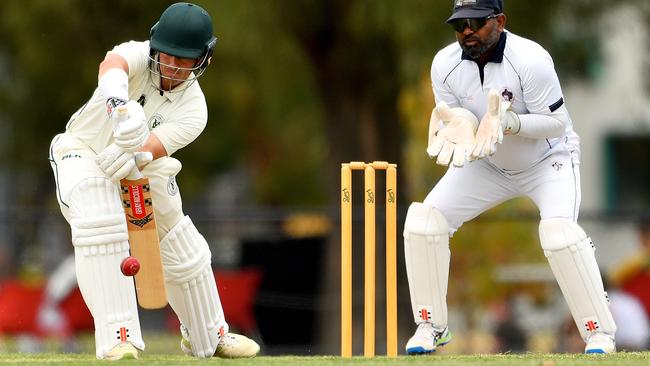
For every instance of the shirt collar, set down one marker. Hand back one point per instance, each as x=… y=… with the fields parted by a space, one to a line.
x=173 y=95
x=497 y=56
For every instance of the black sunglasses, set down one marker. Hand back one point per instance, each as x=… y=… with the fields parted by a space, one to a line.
x=474 y=24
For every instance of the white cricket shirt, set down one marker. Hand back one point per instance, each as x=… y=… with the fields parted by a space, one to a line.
x=523 y=73
x=175 y=118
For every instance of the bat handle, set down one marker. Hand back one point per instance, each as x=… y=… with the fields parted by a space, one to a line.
x=123 y=115
x=135 y=174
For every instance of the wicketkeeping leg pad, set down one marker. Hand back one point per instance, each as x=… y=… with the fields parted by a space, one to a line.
x=191 y=287
x=426 y=247
x=100 y=239
x=571 y=255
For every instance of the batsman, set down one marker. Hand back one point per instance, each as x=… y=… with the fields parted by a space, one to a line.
x=156 y=82
x=502 y=126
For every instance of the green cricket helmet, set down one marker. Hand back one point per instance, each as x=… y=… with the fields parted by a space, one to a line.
x=184 y=30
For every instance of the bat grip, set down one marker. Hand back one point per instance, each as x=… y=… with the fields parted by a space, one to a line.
x=123 y=115
x=135 y=174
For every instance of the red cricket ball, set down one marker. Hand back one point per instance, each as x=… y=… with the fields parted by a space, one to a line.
x=130 y=266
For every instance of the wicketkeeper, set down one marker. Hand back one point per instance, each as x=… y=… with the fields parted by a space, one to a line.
x=509 y=82
x=157 y=82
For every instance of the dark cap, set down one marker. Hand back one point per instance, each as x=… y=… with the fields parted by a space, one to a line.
x=476 y=8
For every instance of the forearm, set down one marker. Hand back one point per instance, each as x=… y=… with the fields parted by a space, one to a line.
x=112 y=61
x=539 y=126
x=154 y=146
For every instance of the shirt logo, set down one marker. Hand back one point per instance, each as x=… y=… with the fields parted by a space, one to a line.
x=172 y=187
x=155 y=121
x=507 y=95
x=70 y=156
x=465 y=2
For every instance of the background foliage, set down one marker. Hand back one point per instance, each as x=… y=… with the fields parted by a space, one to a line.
x=295 y=85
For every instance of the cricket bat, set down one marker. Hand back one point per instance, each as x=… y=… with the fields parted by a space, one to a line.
x=143 y=236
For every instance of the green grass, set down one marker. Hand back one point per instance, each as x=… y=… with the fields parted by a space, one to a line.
x=163 y=349
x=631 y=359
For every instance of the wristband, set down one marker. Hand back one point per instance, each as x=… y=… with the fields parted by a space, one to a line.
x=114 y=86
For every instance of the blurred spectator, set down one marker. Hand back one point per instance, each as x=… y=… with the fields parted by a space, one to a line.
x=632 y=324
x=510 y=336
x=632 y=327
x=633 y=275
x=50 y=318
x=568 y=338
x=5 y=257
x=33 y=309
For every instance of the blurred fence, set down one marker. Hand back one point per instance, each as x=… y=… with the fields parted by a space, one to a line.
x=295 y=302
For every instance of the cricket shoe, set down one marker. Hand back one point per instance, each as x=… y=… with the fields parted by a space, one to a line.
x=600 y=343
x=122 y=351
x=427 y=339
x=231 y=345
x=236 y=346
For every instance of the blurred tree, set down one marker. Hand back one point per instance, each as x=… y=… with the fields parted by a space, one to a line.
x=50 y=52
x=296 y=86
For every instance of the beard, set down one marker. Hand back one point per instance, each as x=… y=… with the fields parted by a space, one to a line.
x=479 y=49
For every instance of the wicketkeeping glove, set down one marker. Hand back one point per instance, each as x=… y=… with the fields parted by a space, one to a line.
x=455 y=139
x=497 y=121
x=131 y=134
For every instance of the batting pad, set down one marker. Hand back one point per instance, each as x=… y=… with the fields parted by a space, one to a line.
x=191 y=288
x=426 y=248
x=571 y=255
x=100 y=240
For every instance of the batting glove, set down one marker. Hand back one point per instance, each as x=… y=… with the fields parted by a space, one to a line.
x=142 y=158
x=115 y=162
x=131 y=134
